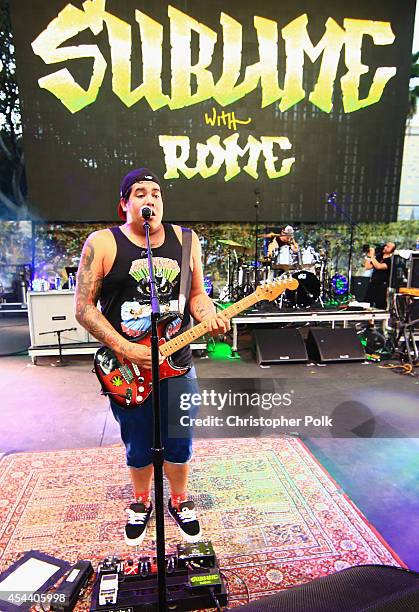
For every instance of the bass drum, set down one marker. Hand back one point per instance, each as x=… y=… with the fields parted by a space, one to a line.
x=307 y=292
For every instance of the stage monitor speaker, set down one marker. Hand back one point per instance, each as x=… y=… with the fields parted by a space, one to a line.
x=413 y=277
x=327 y=344
x=279 y=346
x=359 y=287
x=376 y=588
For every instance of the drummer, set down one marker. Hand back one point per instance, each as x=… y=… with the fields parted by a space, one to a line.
x=284 y=240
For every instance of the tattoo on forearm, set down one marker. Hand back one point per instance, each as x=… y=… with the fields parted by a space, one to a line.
x=94 y=321
x=85 y=279
x=88 y=288
x=202 y=307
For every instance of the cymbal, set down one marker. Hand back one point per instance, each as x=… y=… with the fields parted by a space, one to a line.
x=236 y=246
x=270 y=235
x=232 y=243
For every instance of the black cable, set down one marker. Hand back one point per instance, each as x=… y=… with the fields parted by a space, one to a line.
x=227 y=585
x=241 y=580
x=214 y=599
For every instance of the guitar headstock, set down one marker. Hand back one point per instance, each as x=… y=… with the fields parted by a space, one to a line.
x=272 y=290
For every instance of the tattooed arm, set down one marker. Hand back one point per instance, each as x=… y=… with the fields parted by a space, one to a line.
x=200 y=305
x=89 y=282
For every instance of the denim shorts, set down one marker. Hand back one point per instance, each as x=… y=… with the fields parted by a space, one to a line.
x=137 y=424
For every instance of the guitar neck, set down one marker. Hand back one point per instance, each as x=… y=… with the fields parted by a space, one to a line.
x=199 y=330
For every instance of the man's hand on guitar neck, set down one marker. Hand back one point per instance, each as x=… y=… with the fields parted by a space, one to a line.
x=202 y=309
x=140 y=354
x=217 y=324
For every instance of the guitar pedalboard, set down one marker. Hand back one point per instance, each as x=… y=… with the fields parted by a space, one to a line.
x=193 y=581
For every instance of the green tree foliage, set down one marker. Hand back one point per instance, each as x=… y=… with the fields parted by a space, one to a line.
x=13 y=204
x=413 y=90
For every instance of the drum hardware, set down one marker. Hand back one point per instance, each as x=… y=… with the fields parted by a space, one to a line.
x=311 y=266
x=228 y=292
x=270 y=235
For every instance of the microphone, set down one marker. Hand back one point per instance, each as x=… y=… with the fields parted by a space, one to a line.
x=146 y=212
x=331 y=197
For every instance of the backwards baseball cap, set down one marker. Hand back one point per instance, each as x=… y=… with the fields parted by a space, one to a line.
x=288 y=230
x=135 y=176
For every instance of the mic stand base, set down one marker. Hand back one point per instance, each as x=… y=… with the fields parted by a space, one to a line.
x=60 y=363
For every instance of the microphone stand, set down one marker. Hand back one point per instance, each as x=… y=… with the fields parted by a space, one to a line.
x=60 y=361
x=331 y=198
x=257 y=204
x=157 y=450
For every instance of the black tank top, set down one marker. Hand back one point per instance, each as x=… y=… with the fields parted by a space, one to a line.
x=125 y=296
x=381 y=276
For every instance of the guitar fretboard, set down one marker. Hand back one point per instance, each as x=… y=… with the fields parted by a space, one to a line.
x=199 y=330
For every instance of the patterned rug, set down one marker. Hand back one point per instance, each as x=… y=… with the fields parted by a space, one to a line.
x=275 y=517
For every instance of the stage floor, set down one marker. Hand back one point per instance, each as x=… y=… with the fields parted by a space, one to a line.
x=47 y=408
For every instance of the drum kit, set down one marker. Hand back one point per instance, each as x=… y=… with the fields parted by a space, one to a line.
x=308 y=266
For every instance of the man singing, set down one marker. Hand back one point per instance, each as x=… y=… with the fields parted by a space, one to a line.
x=380 y=266
x=113 y=270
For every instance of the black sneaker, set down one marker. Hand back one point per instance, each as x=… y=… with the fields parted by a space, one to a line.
x=186 y=520
x=136 y=527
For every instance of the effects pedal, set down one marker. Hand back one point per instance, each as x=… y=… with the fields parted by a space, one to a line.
x=206 y=578
x=200 y=554
x=66 y=595
x=111 y=565
x=108 y=589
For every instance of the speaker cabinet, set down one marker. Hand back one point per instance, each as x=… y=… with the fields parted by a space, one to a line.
x=279 y=346
x=52 y=310
x=328 y=345
x=376 y=588
x=359 y=287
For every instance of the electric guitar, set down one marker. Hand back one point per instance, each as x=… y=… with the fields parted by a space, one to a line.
x=129 y=385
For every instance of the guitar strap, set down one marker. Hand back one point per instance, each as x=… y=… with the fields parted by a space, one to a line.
x=185 y=268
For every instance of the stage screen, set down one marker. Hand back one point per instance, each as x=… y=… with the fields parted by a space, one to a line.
x=231 y=103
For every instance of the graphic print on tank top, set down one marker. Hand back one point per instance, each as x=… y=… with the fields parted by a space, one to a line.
x=136 y=312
